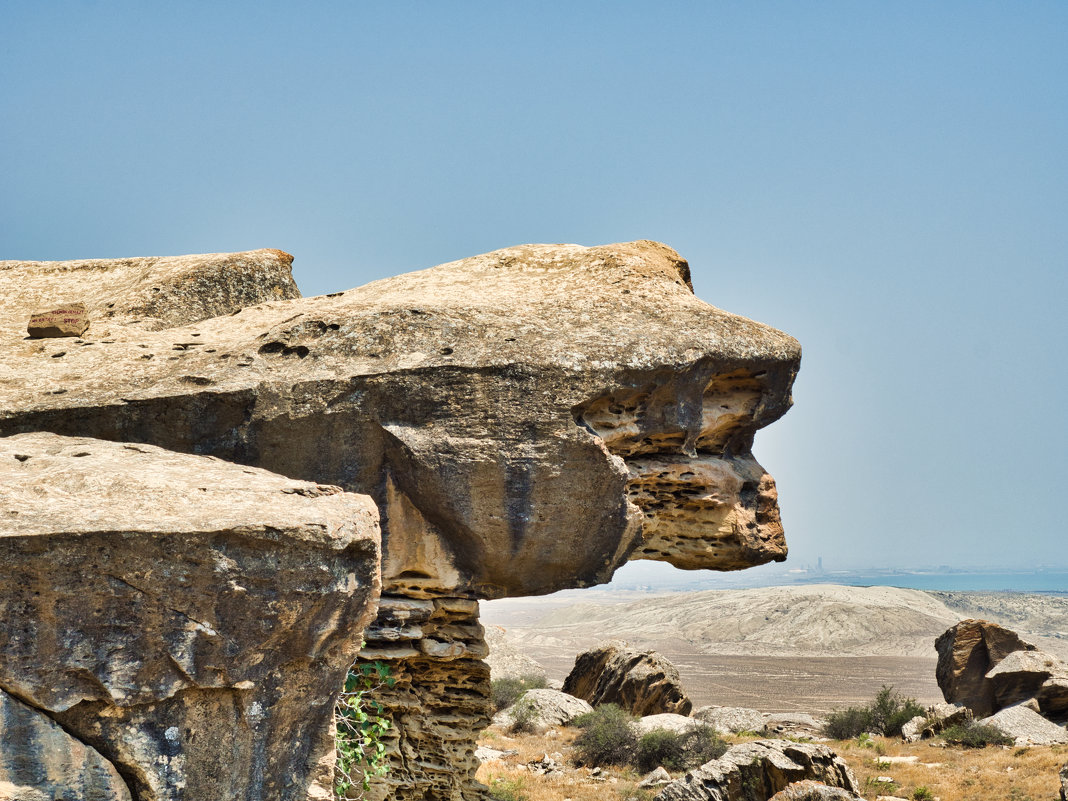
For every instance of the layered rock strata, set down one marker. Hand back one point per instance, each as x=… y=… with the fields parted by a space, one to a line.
x=525 y=420
x=641 y=682
x=190 y=620
x=439 y=698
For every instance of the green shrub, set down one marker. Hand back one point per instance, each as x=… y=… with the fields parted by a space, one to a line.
x=660 y=747
x=885 y=715
x=506 y=691
x=607 y=737
x=524 y=715
x=845 y=724
x=360 y=728
x=508 y=789
x=890 y=711
x=975 y=735
x=922 y=794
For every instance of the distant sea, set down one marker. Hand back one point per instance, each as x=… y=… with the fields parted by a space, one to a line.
x=1041 y=581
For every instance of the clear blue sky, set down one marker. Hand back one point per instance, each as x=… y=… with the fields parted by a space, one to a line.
x=888 y=182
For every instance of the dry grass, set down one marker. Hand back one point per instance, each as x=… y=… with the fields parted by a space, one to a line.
x=950 y=774
x=994 y=773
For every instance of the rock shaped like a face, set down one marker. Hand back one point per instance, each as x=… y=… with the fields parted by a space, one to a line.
x=519 y=417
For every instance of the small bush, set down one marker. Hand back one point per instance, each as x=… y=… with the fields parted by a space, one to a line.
x=922 y=794
x=845 y=724
x=506 y=691
x=607 y=737
x=975 y=735
x=523 y=717
x=660 y=747
x=508 y=789
x=885 y=715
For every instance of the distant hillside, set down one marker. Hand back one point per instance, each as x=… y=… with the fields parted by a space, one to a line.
x=808 y=620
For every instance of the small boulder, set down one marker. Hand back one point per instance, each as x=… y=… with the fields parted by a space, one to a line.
x=540 y=710
x=793 y=724
x=655 y=778
x=912 y=730
x=732 y=719
x=69 y=320
x=1027 y=727
x=814 y=791
x=760 y=769
x=641 y=682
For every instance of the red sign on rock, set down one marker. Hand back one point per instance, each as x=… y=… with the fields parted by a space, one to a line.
x=71 y=320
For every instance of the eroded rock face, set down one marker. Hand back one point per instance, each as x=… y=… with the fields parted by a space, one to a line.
x=966 y=653
x=38 y=757
x=641 y=682
x=497 y=409
x=439 y=701
x=760 y=769
x=552 y=407
x=190 y=620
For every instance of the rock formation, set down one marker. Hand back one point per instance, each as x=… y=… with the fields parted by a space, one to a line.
x=966 y=653
x=525 y=421
x=760 y=769
x=732 y=719
x=814 y=791
x=542 y=709
x=187 y=621
x=988 y=668
x=641 y=682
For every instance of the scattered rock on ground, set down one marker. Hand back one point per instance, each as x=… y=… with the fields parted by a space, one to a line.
x=547 y=708
x=760 y=769
x=641 y=682
x=814 y=791
x=732 y=719
x=793 y=724
x=1027 y=727
x=912 y=730
x=486 y=754
x=655 y=778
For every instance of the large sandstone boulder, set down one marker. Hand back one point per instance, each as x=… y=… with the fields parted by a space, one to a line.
x=641 y=682
x=189 y=621
x=541 y=405
x=553 y=407
x=966 y=654
x=1022 y=675
x=760 y=769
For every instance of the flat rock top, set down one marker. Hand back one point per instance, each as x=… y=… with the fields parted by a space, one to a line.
x=51 y=484
x=151 y=293
x=579 y=310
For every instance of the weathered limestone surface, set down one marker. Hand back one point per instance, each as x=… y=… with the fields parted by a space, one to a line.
x=147 y=293
x=966 y=654
x=1026 y=726
x=497 y=409
x=525 y=421
x=189 y=619
x=642 y=682
x=814 y=791
x=38 y=757
x=760 y=769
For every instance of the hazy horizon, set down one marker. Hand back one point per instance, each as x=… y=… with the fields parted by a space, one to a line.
x=886 y=183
